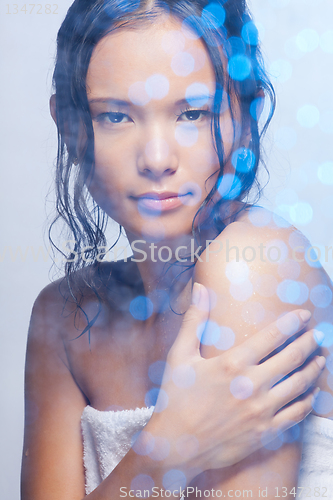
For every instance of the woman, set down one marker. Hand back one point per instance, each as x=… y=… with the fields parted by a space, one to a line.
x=157 y=107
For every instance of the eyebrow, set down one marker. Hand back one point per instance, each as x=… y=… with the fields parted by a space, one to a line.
x=119 y=102
x=201 y=97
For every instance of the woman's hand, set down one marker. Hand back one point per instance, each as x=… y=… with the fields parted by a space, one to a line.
x=215 y=412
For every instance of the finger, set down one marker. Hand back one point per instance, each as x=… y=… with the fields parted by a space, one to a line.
x=194 y=322
x=268 y=339
x=296 y=412
x=291 y=357
x=297 y=384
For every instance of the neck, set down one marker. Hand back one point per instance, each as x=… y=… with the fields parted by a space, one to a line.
x=160 y=262
x=166 y=282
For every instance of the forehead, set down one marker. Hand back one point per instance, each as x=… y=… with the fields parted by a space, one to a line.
x=129 y=56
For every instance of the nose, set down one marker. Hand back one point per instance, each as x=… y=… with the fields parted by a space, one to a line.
x=157 y=158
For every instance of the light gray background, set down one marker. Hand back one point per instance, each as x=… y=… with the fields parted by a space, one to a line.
x=28 y=149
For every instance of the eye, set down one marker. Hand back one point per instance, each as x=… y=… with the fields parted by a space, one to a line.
x=113 y=117
x=193 y=115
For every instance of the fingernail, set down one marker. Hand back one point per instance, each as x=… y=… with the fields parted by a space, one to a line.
x=196 y=292
x=305 y=316
x=321 y=362
x=318 y=336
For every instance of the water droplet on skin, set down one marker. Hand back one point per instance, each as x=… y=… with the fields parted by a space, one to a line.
x=253 y=313
x=276 y=251
x=290 y=269
x=266 y=285
x=241 y=292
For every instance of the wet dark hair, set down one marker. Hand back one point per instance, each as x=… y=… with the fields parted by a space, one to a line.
x=225 y=26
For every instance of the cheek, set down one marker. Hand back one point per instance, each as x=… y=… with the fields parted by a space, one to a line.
x=104 y=192
x=104 y=151
x=112 y=165
x=106 y=183
x=201 y=164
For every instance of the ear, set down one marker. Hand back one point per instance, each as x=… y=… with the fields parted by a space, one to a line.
x=53 y=108
x=82 y=136
x=53 y=102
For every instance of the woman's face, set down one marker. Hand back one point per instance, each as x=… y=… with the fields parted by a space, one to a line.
x=150 y=92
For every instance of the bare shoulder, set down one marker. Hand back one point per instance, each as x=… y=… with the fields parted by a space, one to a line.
x=259 y=268
x=268 y=252
x=62 y=311
x=52 y=303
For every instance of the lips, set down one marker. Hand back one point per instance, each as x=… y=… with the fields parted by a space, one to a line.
x=158 y=196
x=161 y=202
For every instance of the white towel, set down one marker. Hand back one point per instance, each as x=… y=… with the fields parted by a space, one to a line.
x=108 y=436
x=316 y=470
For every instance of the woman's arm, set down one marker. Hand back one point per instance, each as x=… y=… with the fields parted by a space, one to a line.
x=248 y=295
x=52 y=455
